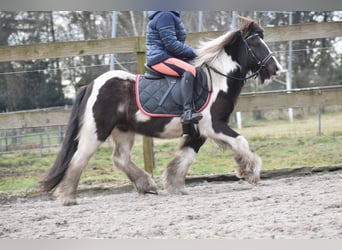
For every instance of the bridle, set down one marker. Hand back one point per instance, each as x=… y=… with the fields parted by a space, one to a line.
x=260 y=63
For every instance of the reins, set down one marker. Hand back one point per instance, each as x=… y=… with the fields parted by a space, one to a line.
x=255 y=74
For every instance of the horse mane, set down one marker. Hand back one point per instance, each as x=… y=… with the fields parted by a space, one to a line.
x=209 y=50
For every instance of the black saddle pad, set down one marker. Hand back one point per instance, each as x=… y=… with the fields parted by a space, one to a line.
x=160 y=97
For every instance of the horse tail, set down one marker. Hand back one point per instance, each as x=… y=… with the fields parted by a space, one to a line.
x=70 y=143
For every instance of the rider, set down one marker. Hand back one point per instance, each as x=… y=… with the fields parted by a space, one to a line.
x=167 y=54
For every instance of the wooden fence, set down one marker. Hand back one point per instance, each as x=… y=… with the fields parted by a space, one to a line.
x=309 y=97
x=137 y=44
x=250 y=101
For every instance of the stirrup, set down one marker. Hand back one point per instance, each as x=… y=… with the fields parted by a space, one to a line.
x=189 y=116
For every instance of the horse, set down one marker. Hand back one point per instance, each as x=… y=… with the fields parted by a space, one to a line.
x=108 y=107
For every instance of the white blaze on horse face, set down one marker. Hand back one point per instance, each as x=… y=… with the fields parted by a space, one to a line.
x=280 y=68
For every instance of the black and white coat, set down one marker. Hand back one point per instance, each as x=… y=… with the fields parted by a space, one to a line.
x=107 y=107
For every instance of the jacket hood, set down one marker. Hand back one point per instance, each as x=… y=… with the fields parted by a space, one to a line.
x=151 y=14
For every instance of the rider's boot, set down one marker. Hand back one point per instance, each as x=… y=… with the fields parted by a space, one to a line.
x=187 y=89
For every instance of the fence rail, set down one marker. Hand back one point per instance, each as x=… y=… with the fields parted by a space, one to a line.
x=305 y=97
x=137 y=44
x=34 y=118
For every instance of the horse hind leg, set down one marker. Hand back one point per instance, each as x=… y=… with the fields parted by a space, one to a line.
x=88 y=144
x=141 y=180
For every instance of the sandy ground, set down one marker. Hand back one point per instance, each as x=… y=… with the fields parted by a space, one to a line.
x=296 y=207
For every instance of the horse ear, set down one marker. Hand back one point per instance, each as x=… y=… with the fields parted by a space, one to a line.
x=250 y=26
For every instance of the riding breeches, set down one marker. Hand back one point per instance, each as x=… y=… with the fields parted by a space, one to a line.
x=174 y=67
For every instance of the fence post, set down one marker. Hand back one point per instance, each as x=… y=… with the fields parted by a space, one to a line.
x=41 y=145
x=147 y=141
x=6 y=141
x=47 y=132
x=60 y=135
x=0 y=144
x=320 y=107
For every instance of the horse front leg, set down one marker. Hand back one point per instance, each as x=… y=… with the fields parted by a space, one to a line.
x=175 y=173
x=248 y=162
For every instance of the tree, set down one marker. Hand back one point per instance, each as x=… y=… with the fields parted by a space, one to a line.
x=8 y=84
x=24 y=90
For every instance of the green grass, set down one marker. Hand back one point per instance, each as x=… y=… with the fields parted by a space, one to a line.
x=279 y=144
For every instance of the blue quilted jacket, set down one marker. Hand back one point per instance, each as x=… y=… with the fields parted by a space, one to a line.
x=165 y=37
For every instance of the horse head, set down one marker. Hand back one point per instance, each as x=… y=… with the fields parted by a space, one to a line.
x=260 y=59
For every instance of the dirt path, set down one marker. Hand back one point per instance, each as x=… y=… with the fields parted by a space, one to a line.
x=295 y=207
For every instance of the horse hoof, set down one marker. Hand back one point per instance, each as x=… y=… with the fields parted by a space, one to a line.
x=155 y=192
x=69 y=202
x=183 y=192
x=177 y=191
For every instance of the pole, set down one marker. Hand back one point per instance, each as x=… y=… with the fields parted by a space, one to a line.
x=200 y=21
x=147 y=141
x=289 y=71
x=234 y=19
x=320 y=107
x=112 y=56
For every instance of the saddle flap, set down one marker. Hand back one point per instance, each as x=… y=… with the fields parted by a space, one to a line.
x=159 y=95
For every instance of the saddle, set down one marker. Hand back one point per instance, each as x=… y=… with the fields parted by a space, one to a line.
x=158 y=95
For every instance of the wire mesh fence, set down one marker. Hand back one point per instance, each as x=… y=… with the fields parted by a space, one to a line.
x=271 y=123
x=28 y=139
